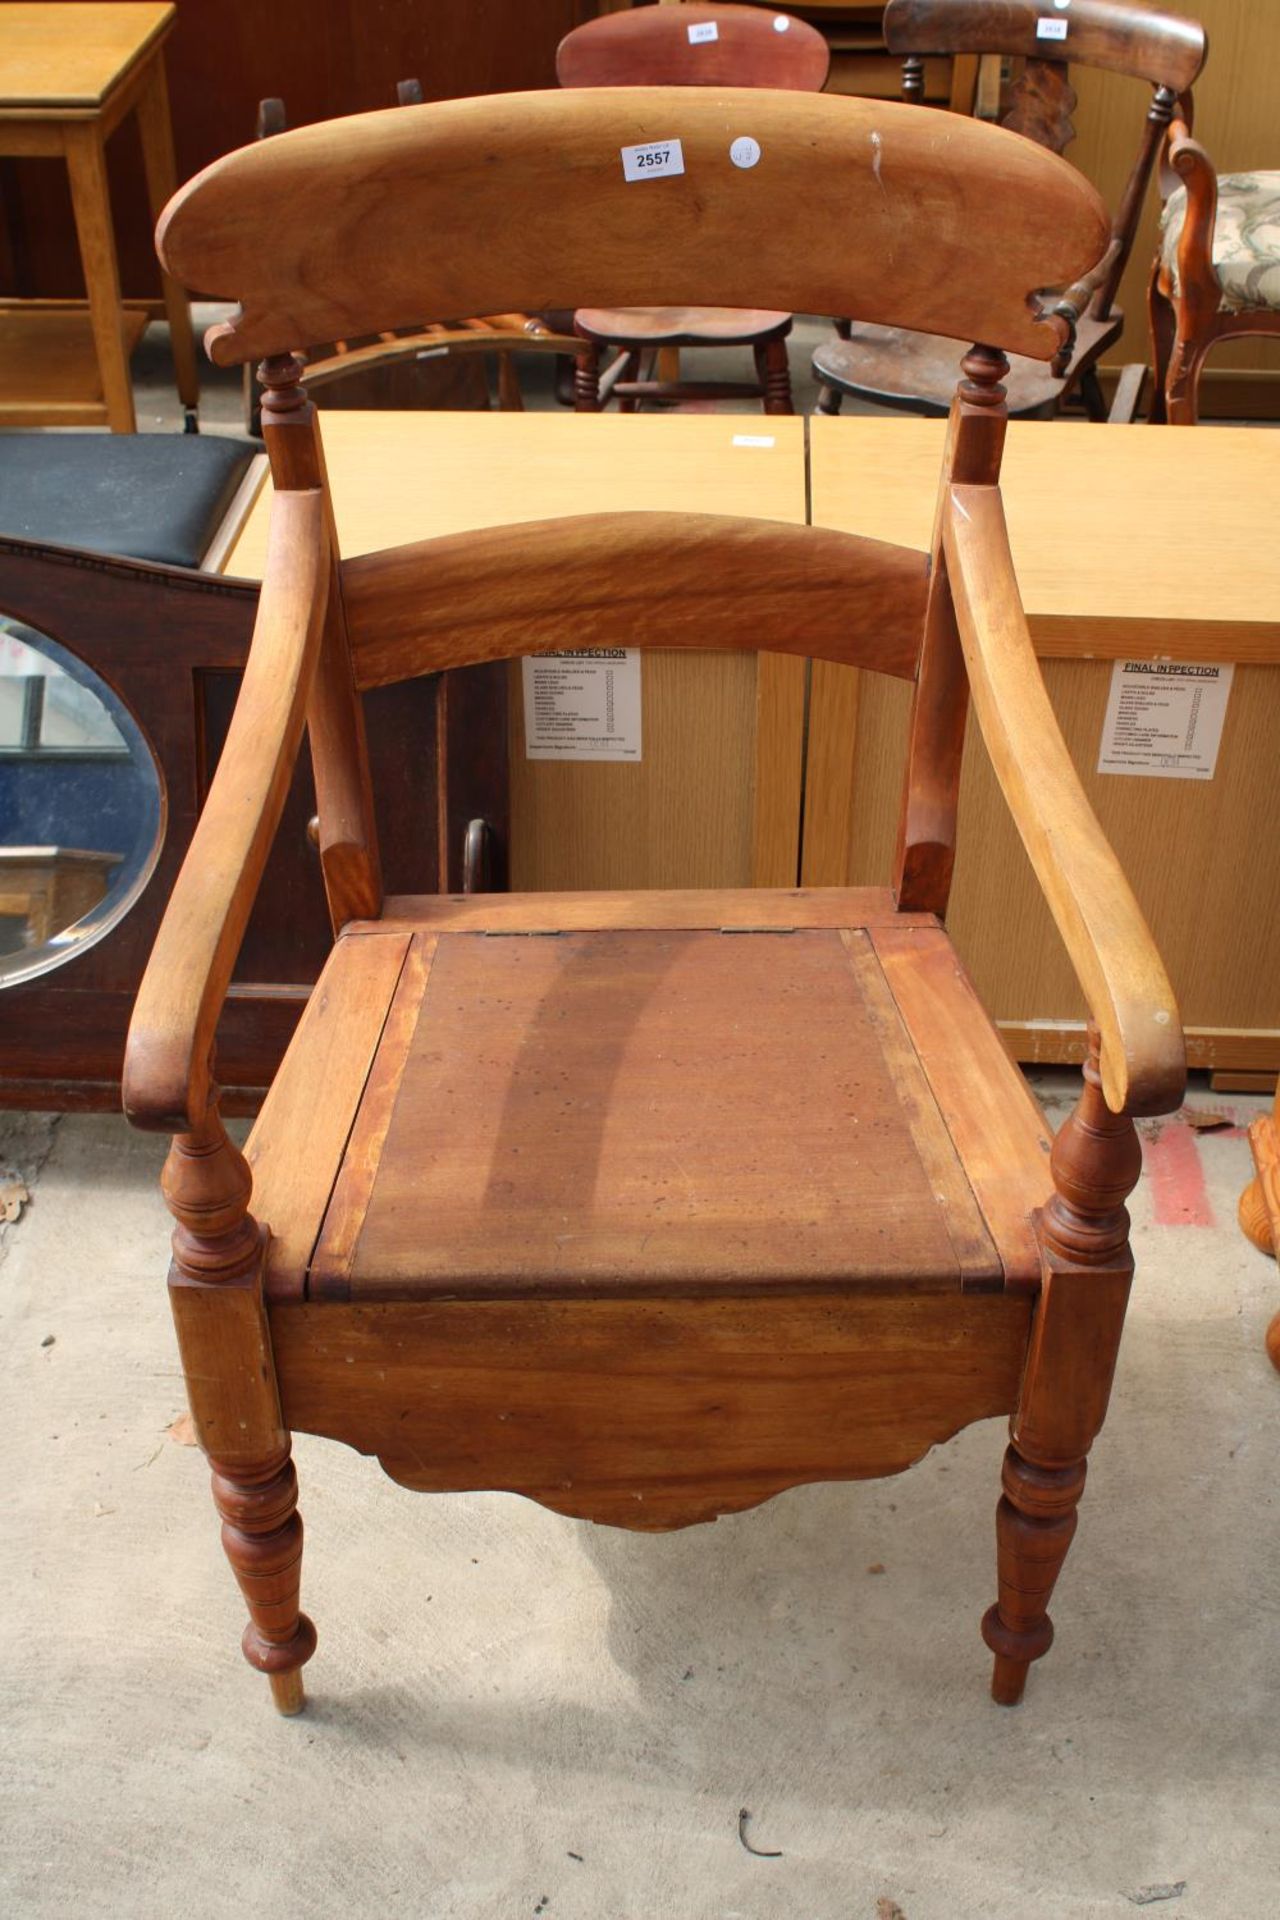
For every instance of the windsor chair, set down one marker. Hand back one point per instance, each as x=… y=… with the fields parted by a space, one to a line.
x=915 y=372
x=644 y=1206
x=688 y=46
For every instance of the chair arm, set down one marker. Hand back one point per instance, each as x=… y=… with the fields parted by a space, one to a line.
x=1143 y=1062
x=168 y=1068
x=1188 y=159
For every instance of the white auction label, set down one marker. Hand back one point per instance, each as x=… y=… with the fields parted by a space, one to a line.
x=745 y=151
x=703 y=30
x=1164 y=719
x=1051 y=29
x=753 y=439
x=583 y=705
x=652 y=162
x=780 y=23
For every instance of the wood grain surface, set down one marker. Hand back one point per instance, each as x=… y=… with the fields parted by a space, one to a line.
x=1143 y=1063
x=316 y=1099
x=839 y=216
x=577 y=1403
x=621 y=580
x=1120 y=36
x=168 y=1059
x=576 y=1115
x=659 y=47
x=72 y=55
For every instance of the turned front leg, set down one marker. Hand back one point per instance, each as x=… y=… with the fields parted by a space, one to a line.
x=262 y=1536
x=1075 y=1339
x=215 y=1288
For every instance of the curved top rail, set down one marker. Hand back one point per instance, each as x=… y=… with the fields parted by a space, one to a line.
x=812 y=203
x=694 y=46
x=1123 y=36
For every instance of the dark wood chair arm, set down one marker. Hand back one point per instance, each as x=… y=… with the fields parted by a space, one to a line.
x=1189 y=161
x=168 y=1072
x=1143 y=1061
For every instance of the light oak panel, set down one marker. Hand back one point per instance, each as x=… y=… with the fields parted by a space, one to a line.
x=1207 y=882
x=1130 y=544
x=1147 y=537
x=716 y=799
x=72 y=55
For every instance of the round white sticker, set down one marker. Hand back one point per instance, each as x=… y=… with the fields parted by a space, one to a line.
x=1062 y=5
x=781 y=22
x=745 y=151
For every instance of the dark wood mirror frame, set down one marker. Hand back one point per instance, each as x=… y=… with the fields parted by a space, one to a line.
x=172 y=644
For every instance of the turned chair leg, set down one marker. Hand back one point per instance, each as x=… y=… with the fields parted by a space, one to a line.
x=776 y=377
x=830 y=400
x=262 y=1536
x=586 y=378
x=1075 y=1338
x=215 y=1288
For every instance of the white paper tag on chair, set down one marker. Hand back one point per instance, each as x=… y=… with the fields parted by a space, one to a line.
x=1051 y=29
x=702 y=31
x=582 y=705
x=652 y=162
x=1164 y=719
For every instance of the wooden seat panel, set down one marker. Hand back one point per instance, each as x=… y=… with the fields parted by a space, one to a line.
x=554 y=1109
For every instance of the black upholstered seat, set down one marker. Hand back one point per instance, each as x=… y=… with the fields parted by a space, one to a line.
x=142 y=496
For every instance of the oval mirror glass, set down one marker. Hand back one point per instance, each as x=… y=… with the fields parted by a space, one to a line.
x=81 y=805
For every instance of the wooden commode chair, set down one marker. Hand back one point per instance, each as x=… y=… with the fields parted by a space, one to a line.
x=645 y=1206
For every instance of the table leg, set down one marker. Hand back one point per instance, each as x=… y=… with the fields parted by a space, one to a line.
x=87 y=168
x=156 y=129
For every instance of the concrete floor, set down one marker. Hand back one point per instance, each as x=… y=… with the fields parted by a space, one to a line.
x=515 y=1714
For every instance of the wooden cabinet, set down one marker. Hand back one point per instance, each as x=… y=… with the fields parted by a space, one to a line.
x=716 y=800
x=1130 y=544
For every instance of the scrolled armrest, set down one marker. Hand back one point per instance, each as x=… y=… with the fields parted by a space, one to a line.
x=1186 y=160
x=167 y=1069
x=1143 y=1062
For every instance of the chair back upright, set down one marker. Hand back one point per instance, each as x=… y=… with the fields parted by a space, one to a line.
x=1129 y=37
x=694 y=46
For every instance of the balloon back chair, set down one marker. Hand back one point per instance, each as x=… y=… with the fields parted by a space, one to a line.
x=644 y=1206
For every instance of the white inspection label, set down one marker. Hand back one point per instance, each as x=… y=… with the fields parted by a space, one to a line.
x=1164 y=719
x=583 y=705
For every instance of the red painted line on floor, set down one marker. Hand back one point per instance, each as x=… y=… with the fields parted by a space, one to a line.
x=1175 y=1174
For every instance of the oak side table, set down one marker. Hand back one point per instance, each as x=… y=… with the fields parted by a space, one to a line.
x=69 y=74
